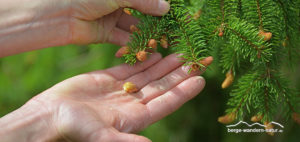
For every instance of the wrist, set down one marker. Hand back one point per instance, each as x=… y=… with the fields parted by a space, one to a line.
x=28 y=25
x=32 y=122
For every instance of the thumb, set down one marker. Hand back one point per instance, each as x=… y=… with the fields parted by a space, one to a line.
x=154 y=7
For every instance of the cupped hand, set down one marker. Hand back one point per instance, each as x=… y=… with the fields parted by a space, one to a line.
x=94 y=107
x=104 y=20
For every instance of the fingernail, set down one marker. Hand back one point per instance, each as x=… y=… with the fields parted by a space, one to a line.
x=163 y=7
x=200 y=80
x=179 y=54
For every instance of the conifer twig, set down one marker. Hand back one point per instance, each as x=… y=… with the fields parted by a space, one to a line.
x=286 y=99
x=244 y=38
x=285 y=16
x=259 y=15
x=222 y=11
x=266 y=99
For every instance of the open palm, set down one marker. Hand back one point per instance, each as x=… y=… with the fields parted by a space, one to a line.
x=94 y=107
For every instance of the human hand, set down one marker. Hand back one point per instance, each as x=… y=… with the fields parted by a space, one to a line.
x=29 y=25
x=94 y=107
x=104 y=20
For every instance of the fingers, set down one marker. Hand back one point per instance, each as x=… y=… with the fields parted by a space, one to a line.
x=121 y=33
x=156 y=71
x=154 y=7
x=173 y=99
x=94 y=9
x=126 y=21
x=118 y=36
x=124 y=71
x=161 y=86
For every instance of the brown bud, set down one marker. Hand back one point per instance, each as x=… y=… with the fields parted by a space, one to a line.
x=152 y=43
x=266 y=35
x=221 y=34
x=129 y=87
x=227 y=119
x=127 y=11
x=122 y=51
x=141 y=56
x=133 y=28
x=195 y=67
x=269 y=126
x=207 y=61
x=256 y=118
x=228 y=80
x=296 y=117
x=197 y=14
x=221 y=31
x=164 y=42
x=284 y=43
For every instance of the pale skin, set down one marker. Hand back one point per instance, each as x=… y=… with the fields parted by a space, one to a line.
x=91 y=107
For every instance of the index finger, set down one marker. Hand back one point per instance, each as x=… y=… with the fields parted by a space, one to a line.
x=124 y=71
x=169 y=102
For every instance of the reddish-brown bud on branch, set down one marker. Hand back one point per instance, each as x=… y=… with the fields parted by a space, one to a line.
x=266 y=35
x=256 y=118
x=284 y=43
x=195 y=67
x=221 y=31
x=122 y=51
x=133 y=28
x=141 y=56
x=269 y=127
x=164 y=42
x=207 y=61
x=227 y=119
x=197 y=14
x=220 y=34
x=228 y=80
x=152 y=43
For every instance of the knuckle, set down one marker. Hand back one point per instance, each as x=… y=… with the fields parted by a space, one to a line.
x=162 y=84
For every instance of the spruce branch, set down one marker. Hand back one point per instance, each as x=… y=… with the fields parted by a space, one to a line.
x=255 y=36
